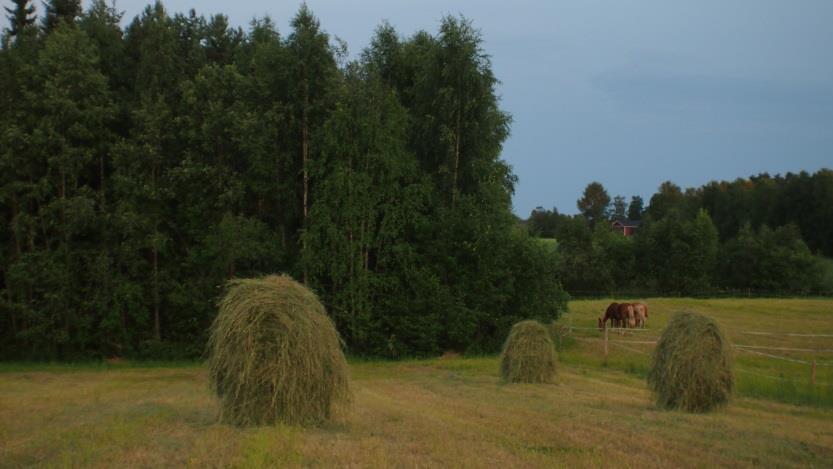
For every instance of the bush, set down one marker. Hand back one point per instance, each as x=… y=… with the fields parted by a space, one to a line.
x=275 y=355
x=691 y=366
x=528 y=355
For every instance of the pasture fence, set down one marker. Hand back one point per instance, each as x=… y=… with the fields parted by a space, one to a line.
x=703 y=294
x=754 y=349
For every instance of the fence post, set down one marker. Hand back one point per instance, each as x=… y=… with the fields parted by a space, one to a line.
x=606 y=343
x=813 y=372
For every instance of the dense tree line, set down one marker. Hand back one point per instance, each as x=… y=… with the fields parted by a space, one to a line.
x=143 y=166
x=764 y=234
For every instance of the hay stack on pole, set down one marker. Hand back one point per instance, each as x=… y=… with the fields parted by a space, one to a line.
x=691 y=366
x=275 y=356
x=528 y=355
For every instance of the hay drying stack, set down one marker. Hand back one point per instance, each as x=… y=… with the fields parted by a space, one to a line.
x=528 y=355
x=274 y=355
x=692 y=365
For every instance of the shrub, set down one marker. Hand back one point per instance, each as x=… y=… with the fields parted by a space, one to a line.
x=528 y=355
x=691 y=366
x=274 y=355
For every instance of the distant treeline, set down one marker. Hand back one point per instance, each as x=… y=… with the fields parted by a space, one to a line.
x=762 y=235
x=143 y=167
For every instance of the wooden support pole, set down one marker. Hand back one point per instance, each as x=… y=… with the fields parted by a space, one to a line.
x=605 y=342
x=813 y=372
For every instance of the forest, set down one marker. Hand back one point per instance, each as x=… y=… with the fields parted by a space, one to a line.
x=145 y=165
x=765 y=235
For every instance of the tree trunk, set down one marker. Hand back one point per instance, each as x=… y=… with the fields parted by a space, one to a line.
x=230 y=271
x=456 y=159
x=279 y=219
x=103 y=193
x=157 y=333
x=15 y=210
x=156 y=329
x=18 y=254
x=10 y=300
x=305 y=165
x=305 y=157
x=63 y=197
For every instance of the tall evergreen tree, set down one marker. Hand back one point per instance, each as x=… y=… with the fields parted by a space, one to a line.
x=102 y=24
x=222 y=41
x=619 y=207
x=145 y=162
x=635 y=208
x=311 y=81
x=58 y=11
x=20 y=17
x=73 y=106
x=269 y=135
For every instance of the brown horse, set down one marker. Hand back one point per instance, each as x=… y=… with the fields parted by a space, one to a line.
x=612 y=314
x=627 y=315
x=641 y=313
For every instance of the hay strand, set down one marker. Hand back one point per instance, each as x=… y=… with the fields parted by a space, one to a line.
x=274 y=355
x=692 y=365
x=528 y=355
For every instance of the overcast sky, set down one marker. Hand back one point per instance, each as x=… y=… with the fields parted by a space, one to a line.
x=629 y=93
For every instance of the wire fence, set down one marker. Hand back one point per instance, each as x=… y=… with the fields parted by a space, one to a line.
x=712 y=293
x=753 y=349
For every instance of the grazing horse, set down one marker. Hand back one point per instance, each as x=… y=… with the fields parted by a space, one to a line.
x=641 y=314
x=626 y=315
x=612 y=314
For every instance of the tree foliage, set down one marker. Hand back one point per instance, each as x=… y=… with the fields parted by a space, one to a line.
x=594 y=203
x=20 y=17
x=703 y=240
x=143 y=167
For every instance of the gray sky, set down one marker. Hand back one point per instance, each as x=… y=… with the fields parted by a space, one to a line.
x=629 y=93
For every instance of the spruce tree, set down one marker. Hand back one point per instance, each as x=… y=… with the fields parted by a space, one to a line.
x=74 y=109
x=635 y=208
x=58 y=11
x=20 y=17
x=145 y=162
x=619 y=208
x=313 y=73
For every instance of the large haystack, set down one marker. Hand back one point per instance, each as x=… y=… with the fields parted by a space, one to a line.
x=274 y=355
x=528 y=355
x=692 y=365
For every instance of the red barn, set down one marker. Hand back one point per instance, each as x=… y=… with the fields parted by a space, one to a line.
x=626 y=227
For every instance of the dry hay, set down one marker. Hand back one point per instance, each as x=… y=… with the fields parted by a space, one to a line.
x=275 y=356
x=691 y=366
x=528 y=355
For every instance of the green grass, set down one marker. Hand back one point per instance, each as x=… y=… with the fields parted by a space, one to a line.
x=549 y=242
x=71 y=367
x=756 y=376
x=417 y=413
x=442 y=412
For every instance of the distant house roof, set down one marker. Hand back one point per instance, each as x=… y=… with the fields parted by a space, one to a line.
x=627 y=223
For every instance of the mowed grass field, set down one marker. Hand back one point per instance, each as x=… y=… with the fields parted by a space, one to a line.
x=439 y=412
x=776 y=339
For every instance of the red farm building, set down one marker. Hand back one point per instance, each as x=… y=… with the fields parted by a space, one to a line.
x=626 y=227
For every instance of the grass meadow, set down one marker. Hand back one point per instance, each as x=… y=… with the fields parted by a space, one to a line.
x=451 y=412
